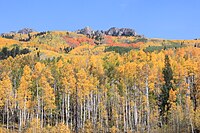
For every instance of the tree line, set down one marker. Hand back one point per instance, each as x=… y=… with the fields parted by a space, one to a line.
x=5 y=52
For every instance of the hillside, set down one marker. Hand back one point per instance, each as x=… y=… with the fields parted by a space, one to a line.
x=115 y=39
x=98 y=81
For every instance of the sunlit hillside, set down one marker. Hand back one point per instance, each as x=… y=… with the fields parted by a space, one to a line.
x=91 y=81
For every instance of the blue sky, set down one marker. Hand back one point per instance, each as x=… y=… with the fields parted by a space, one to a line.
x=170 y=19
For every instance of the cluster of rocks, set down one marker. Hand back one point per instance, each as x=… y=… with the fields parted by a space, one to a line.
x=90 y=32
x=25 y=31
x=120 y=32
x=11 y=34
x=22 y=31
x=112 y=32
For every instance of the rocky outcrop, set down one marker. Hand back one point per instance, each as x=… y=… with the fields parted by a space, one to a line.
x=86 y=31
x=12 y=34
x=112 y=32
x=8 y=35
x=25 y=31
x=120 y=32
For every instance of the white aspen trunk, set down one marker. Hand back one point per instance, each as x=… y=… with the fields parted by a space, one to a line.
x=51 y=117
x=38 y=106
x=63 y=106
x=120 y=114
x=188 y=106
x=15 y=94
x=192 y=127
x=88 y=107
x=71 y=122
x=84 y=111
x=129 y=114
x=124 y=117
x=177 y=122
x=148 y=109
x=94 y=108
x=97 y=109
x=140 y=113
x=68 y=108
x=28 y=117
x=4 y=115
x=135 y=110
x=24 y=112
x=91 y=107
x=135 y=114
x=7 y=112
x=81 y=115
x=20 y=121
x=42 y=113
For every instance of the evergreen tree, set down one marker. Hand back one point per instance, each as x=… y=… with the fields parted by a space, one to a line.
x=164 y=96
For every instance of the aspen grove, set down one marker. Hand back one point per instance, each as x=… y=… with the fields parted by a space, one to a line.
x=133 y=92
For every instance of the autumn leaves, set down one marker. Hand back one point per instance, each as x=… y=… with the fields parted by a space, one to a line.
x=104 y=93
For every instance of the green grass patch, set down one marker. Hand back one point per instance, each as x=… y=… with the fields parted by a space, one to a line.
x=163 y=47
x=120 y=50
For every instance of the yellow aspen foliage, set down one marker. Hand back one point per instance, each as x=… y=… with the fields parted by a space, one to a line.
x=23 y=92
x=60 y=128
x=196 y=118
x=5 y=90
x=68 y=79
x=7 y=42
x=3 y=130
x=39 y=68
x=83 y=83
x=172 y=95
x=34 y=126
x=95 y=66
x=88 y=127
x=172 y=99
x=48 y=94
x=113 y=129
x=59 y=63
x=2 y=98
x=63 y=128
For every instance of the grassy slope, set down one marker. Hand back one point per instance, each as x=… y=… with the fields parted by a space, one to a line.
x=52 y=43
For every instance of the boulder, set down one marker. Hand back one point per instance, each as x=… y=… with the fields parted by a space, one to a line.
x=120 y=32
x=113 y=31
x=86 y=31
x=25 y=31
x=127 y=32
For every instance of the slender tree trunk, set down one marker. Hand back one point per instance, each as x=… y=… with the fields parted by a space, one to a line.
x=148 y=109
x=20 y=121
x=42 y=113
x=76 y=115
x=66 y=109
x=68 y=102
x=63 y=108
x=38 y=106
x=84 y=112
x=81 y=114
x=129 y=114
x=135 y=111
x=88 y=107
x=124 y=117
x=7 y=111
x=126 y=111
